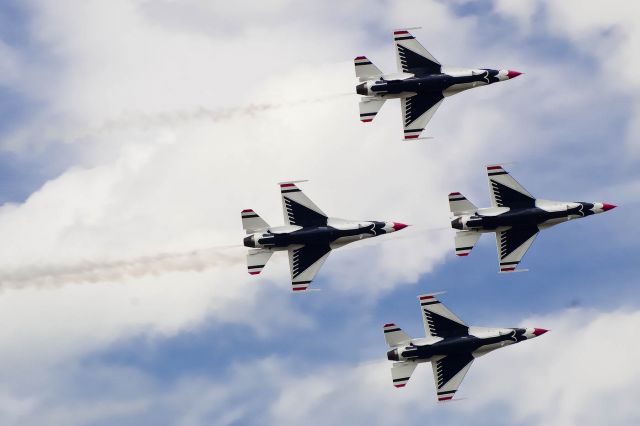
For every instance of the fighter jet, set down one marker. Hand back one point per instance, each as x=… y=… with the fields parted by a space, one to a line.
x=421 y=83
x=515 y=216
x=308 y=236
x=449 y=344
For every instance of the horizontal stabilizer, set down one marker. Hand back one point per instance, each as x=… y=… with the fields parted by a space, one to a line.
x=465 y=240
x=252 y=222
x=459 y=204
x=394 y=336
x=256 y=260
x=369 y=108
x=401 y=373
x=365 y=70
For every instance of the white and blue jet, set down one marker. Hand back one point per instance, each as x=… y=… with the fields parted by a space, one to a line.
x=421 y=83
x=308 y=236
x=449 y=344
x=515 y=216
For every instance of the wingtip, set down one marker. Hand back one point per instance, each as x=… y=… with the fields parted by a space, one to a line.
x=494 y=166
x=430 y=295
x=291 y=182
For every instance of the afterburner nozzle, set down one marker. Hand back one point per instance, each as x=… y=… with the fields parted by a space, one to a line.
x=249 y=241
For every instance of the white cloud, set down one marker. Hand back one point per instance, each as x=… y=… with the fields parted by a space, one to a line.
x=148 y=189
x=540 y=382
x=606 y=31
x=547 y=381
x=9 y=64
x=160 y=176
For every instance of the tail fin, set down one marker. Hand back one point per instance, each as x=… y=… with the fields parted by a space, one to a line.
x=257 y=260
x=369 y=108
x=458 y=204
x=394 y=336
x=365 y=70
x=251 y=222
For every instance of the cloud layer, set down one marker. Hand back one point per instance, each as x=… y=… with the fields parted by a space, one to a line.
x=177 y=116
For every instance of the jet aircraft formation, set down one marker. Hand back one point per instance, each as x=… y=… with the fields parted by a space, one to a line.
x=515 y=216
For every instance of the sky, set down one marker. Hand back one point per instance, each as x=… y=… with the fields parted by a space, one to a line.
x=133 y=132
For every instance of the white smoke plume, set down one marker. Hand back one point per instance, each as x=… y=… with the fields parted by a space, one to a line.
x=87 y=271
x=99 y=271
x=146 y=121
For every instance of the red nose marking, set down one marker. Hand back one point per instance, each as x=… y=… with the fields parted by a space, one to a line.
x=539 y=331
x=513 y=74
x=398 y=226
x=607 y=206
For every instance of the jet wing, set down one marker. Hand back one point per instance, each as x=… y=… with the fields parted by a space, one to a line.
x=401 y=372
x=438 y=320
x=513 y=244
x=305 y=262
x=417 y=112
x=506 y=191
x=449 y=372
x=412 y=57
x=298 y=208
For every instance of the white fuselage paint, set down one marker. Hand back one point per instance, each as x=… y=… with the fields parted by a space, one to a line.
x=544 y=205
x=482 y=333
x=450 y=91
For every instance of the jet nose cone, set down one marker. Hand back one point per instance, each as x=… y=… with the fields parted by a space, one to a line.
x=607 y=206
x=398 y=226
x=539 y=331
x=513 y=74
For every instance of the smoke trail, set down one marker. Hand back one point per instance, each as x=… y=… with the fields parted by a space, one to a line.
x=44 y=276
x=145 y=121
x=92 y=272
